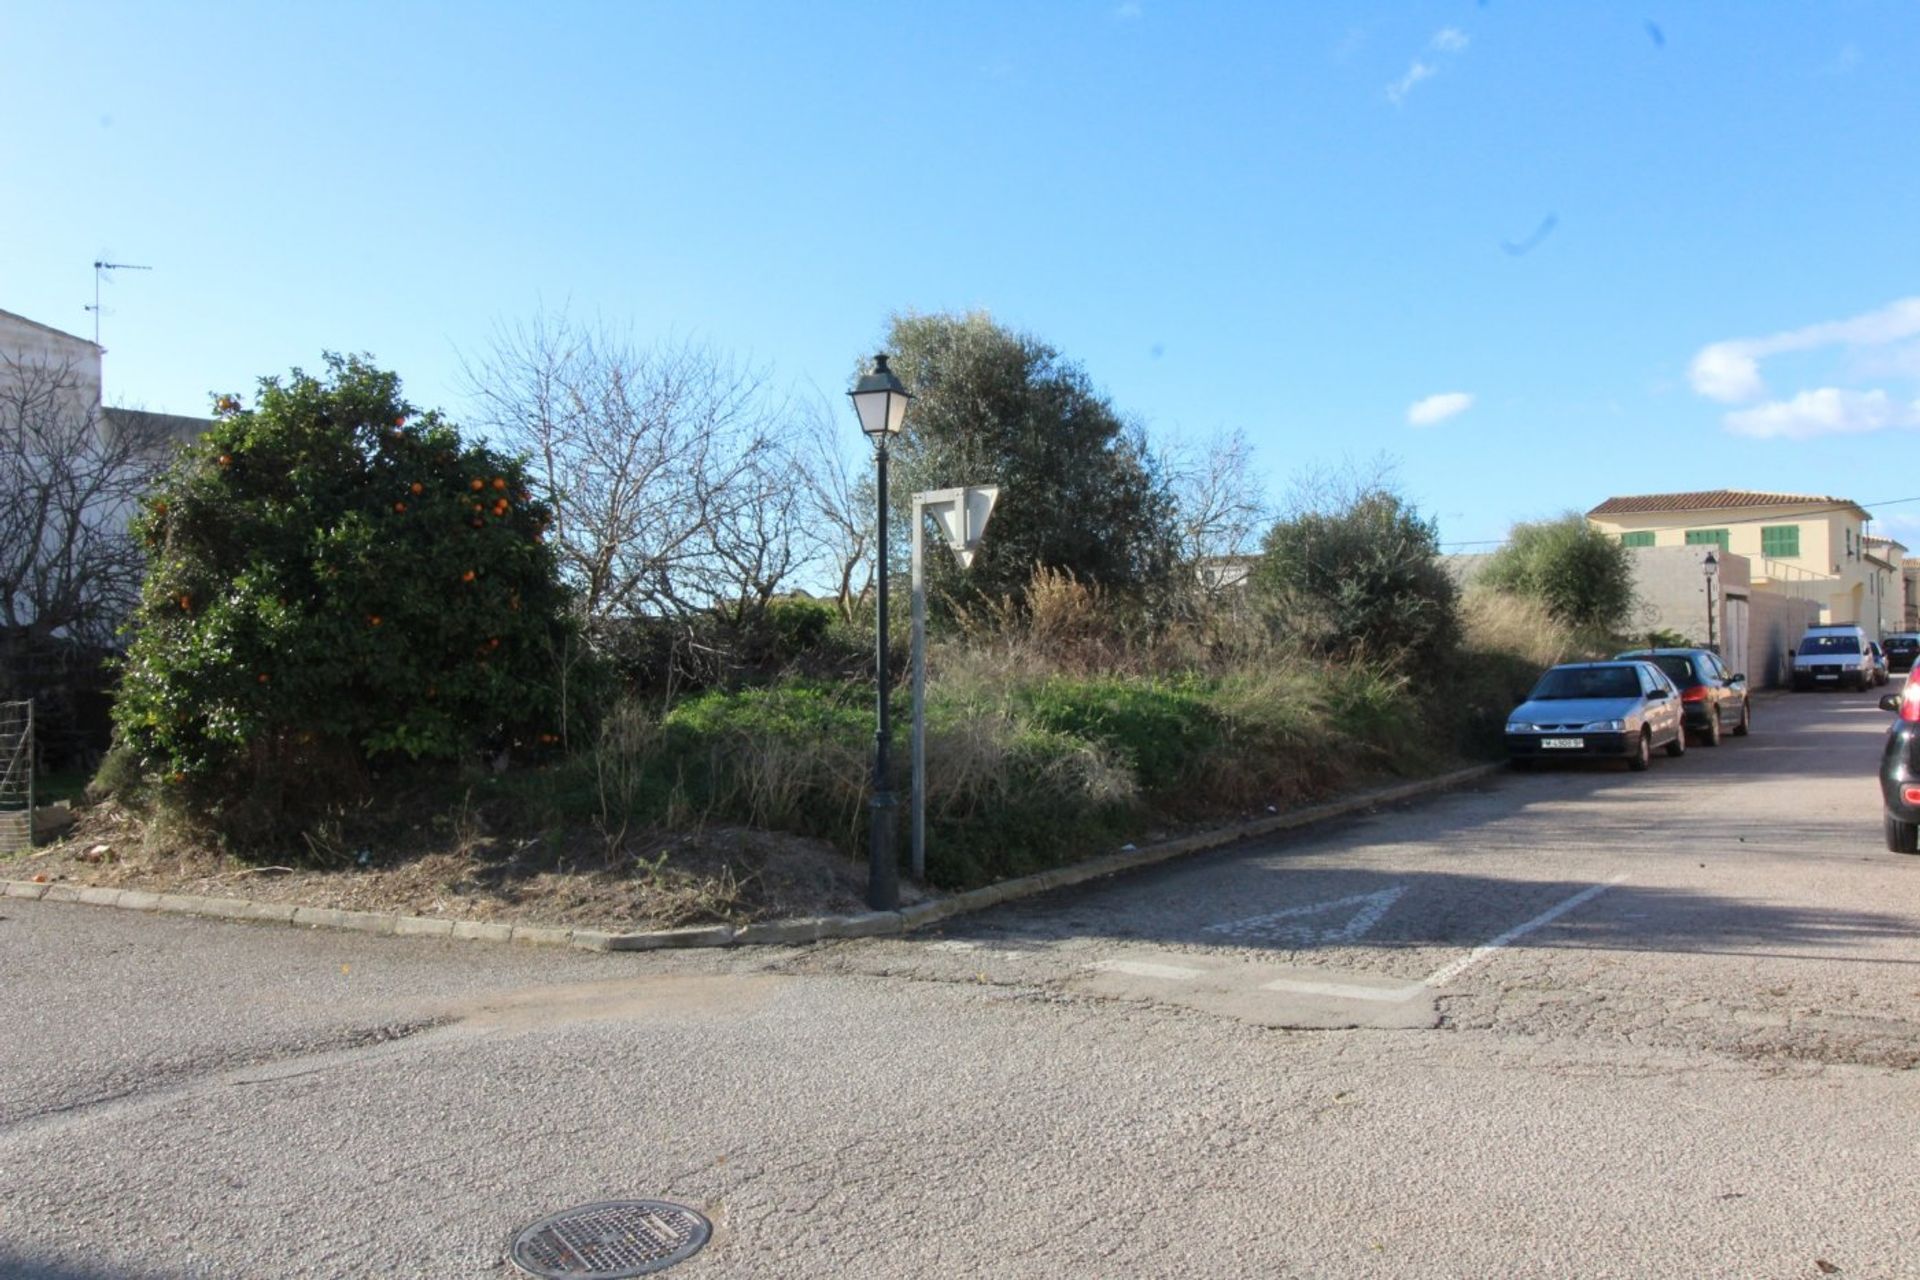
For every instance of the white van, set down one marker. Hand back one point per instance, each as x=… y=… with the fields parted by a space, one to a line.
x=1834 y=657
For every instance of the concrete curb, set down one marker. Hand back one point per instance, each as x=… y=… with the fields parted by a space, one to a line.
x=767 y=933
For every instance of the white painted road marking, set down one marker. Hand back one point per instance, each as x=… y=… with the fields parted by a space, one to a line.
x=1147 y=969
x=1275 y=925
x=1447 y=973
x=1375 y=905
x=1344 y=990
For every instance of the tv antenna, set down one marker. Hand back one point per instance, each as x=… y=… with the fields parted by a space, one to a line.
x=100 y=269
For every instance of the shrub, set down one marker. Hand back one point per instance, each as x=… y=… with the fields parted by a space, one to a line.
x=334 y=577
x=1359 y=575
x=1583 y=575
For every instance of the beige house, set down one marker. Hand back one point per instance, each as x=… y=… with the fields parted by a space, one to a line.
x=1892 y=583
x=1808 y=547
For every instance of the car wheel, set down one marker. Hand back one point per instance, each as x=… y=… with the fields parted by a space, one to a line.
x=1902 y=837
x=1710 y=736
x=1678 y=747
x=1643 y=754
x=1746 y=720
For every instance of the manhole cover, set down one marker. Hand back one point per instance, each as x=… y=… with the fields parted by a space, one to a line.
x=610 y=1241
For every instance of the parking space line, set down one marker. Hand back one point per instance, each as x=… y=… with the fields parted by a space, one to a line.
x=1447 y=973
x=1344 y=991
x=1147 y=969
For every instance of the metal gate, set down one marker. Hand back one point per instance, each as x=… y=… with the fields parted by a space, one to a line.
x=16 y=777
x=1735 y=650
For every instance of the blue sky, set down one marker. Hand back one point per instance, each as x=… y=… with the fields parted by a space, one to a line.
x=1645 y=250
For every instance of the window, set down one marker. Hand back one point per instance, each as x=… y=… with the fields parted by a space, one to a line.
x=1642 y=539
x=1707 y=537
x=1780 y=541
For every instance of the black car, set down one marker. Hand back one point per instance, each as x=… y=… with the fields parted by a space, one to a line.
x=1900 y=771
x=1902 y=648
x=1712 y=702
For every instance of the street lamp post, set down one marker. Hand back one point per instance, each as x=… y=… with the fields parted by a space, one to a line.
x=1710 y=566
x=880 y=399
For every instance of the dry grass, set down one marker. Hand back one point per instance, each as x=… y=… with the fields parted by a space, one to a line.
x=1519 y=626
x=456 y=867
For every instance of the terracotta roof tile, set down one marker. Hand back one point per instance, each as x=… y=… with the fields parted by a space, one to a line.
x=1709 y=500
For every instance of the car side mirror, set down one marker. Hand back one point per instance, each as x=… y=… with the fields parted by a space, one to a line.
x=1890 y=702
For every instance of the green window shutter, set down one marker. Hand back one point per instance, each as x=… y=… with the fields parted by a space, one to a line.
x=1707 y=538
x=1644 y=538
x=1780 y=541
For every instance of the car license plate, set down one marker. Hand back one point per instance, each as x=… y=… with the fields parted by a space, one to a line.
x=1573 y=744
x=1828 y=676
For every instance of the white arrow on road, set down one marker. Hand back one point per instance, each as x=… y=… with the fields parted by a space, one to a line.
x=1290 y=925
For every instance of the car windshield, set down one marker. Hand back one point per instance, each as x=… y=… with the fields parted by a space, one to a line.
x=1563 y=683
x=1902 y=643
x=1830 y=644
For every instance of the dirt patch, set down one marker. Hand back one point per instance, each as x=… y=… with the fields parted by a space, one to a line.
x=457 y=870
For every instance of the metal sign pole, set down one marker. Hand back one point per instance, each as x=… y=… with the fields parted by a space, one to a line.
x=919 y=591
x=963 y=515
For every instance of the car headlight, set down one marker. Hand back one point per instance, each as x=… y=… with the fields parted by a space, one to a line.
x=1517 y=726
x=1607 y=726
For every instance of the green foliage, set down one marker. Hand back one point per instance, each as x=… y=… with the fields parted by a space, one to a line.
x=1079 y=490
x=335 y=576
x=1156 y=728
x=1584 y=576
x=798 y=625
x=1360 y=574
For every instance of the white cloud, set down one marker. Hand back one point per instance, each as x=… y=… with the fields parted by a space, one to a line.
x=1447 y=40
x=1397 y=91
x=1438 y=408
x=1825 y=412
x=1730 y=371
x=1725 y=373
x=1129 y=11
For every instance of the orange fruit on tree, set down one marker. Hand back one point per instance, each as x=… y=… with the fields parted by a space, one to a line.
x=467 y=576
x=373 y=619
x=478 y=484
x=399 y=508
x=416 y=488
x=499 y=482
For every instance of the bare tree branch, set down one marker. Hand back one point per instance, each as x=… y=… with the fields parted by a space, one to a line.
x=839 y=502
x=71 y=476
x=666 y=466
x=1221 y=508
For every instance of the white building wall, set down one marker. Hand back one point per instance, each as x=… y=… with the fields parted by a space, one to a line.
x=39 y=352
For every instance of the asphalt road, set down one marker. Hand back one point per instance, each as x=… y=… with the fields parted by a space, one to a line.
x=1580 y=1023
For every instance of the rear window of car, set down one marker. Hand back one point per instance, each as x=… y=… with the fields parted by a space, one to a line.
x=1588 y=682
x=1830 y=644
x=1902 y=643
x=1675 y=665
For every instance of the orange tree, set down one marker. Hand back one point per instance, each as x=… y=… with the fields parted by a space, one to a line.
x=335 y=578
